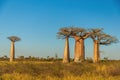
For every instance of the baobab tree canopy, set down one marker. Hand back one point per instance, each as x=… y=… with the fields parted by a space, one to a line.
x=64 y=32
x=14 y=38
x=78 y=32
x=96 y=33
x=107 y=39
x=102 y=38
x=72 y=31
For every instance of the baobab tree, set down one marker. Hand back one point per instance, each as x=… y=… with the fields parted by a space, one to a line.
x=13 y=39
x=79 y=34
x=100 y=38
x=64 y=33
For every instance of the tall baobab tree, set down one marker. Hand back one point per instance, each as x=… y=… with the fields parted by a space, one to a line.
x=100 y=38
x=79 y=34
x=13 y=39
x=64 y=33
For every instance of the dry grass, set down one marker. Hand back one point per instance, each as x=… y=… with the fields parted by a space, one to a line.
x=34 y=70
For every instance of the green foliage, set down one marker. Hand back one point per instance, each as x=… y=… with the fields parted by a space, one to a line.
x=56 y=70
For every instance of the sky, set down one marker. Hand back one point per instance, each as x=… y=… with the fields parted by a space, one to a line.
x=36 y=22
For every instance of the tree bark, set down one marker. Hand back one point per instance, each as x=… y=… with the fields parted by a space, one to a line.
x=66 y=57
x=96 y=52
x=12 y=52
x=82 y=50
x=77 y=51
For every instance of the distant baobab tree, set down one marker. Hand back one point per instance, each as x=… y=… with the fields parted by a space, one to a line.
x=13 y=39
x=100 y=38
x=79 y=34
x=64 y=33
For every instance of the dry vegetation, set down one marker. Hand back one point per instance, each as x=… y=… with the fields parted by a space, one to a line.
x=56 y=70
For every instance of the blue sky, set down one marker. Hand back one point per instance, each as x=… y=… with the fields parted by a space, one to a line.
x=36 y=22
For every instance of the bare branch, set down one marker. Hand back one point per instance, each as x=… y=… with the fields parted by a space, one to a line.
x=107 y=39
x=87 y=35
x=63 y=32
x=95 y=33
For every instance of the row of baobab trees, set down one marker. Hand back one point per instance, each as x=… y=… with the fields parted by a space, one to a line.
x=79 y=35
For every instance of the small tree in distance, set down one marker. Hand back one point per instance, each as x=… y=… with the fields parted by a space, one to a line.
x=13 y=39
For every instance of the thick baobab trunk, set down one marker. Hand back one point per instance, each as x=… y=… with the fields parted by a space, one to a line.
x=82 y=50
x=66 y=57
x=12 y=52
x=77 y=51
x=96 y=52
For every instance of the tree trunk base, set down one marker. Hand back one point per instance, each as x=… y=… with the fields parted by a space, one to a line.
x=78 y=60
x=66 y=61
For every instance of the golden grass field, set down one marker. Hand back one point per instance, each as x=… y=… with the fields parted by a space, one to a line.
x=56 y=70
